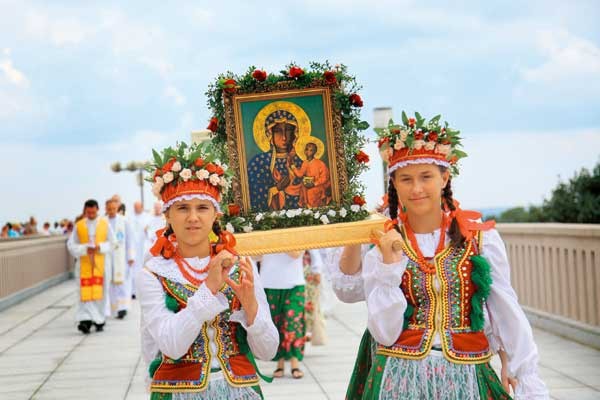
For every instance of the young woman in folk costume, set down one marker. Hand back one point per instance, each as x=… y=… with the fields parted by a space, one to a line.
x=204 y=315
x=430 y=278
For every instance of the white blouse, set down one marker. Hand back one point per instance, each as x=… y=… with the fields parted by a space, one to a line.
x=173 y=333
x=386 y=305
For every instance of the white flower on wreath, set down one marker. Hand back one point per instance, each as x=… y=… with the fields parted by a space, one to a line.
x=258 y=217
x=222 y=182
x=343 y=212
x=156 y=188
x=403 y=135
x=429 y=146
x=365 y=207
x=290 y=214
x=248 y=228
x=229 y=228
x=355 y=208
x=317 y=215
x=168 y=177
x=274 y=214
x=308 y=211
x=176 y=166
x=160 y=180
x=399 y=145
x=418 y=144
x=186 y=174
x=443 y=149
x=202 y=174
x=324 y=219
x=331 y=213
x=214 y=179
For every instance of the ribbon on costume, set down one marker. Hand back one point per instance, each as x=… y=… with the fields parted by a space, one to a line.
x=467 y=223
x=163 y=245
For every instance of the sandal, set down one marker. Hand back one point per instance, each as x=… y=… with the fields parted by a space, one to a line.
x=297 y=373
x=278 y=373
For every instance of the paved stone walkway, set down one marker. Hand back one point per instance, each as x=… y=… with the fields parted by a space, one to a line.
x=42 y=356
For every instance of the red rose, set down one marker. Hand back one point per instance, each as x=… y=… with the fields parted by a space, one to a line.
x=419 y=135
x=199 y=162
x=229 y=85
x=234 y=210
x=156 y=173
x=412 y=122
x=167 y=167
x=355 y=100
x=219 y=171
x=259 y=75
x=213 y=124
x=358 y=200
x=330 y=77
x=396 y=131
x=211 y=168
x=382 y=142
x=432 y=136
x=295 y=72
x=453 y=160
x=362 y=157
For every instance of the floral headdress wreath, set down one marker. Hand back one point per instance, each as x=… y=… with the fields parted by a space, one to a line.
x=184 y=173
x=418 y=141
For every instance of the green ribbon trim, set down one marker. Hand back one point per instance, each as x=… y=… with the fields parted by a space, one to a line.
x=481 y=277
x=242 y=339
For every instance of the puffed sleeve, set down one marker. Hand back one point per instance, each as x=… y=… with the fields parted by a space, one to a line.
x=386 y=302
x=173 y=333
x=347 y=288
x=509 y=324
x=263 y=337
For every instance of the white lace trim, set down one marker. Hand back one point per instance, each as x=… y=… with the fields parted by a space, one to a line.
x=424 y=160
x=168 y=268
x=200 y=196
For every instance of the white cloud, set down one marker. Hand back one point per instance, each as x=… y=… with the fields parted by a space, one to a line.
x=12 y=74
x=172 y=92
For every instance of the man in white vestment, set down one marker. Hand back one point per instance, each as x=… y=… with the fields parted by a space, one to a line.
x=122 y=259
x=139 y=224
x=91 y=242
x=157 y=221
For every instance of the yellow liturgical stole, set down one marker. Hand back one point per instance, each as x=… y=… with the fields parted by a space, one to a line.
x=92 y=270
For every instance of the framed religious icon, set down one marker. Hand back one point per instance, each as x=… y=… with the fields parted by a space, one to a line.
x=284 y=150
x=293 y=142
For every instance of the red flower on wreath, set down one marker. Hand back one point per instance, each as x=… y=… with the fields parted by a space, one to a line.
x=219 y=171
x=199 y=162
x=412 y=122
x=330 y=78
x=234 y=210
x=259 y=75
x=295 y=72
x=453 y=160
x=383 y=141
x=213 y=124
x=356 y=100
x=229 y=85
x=432 y=136
x=211 y=168
x=358 y=200
x=362 y=157
x=167 y=167
x=419 y=135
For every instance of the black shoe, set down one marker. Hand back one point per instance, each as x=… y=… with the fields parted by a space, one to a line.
x=121 y=314
x=99 y=327
x=133 y=296
x=84 y=327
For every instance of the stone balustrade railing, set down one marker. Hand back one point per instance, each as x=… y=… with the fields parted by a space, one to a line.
x=29 y=265
x=555 y=270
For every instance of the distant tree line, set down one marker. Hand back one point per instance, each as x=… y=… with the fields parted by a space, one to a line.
x=575 y=201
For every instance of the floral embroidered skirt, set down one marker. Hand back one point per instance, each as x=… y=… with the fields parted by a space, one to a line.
x=217 y=389
x=432 y=378
x=287 y=312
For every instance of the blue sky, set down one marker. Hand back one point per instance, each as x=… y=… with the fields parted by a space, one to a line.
x=84 y=86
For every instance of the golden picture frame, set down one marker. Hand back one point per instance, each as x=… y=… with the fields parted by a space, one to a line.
x=309 y=237
x=251 y=120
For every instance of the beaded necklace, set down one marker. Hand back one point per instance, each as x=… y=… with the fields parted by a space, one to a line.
x=182 y=264
x=424 y=262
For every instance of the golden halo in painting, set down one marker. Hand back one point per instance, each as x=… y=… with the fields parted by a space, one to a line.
x=303 y=141
x=261 y=137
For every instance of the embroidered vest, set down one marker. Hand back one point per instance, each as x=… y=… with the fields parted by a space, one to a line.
x=446 y=311
x=190 y=372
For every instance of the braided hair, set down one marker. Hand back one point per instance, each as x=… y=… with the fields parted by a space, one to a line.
x=393 y=201
x=456 y=237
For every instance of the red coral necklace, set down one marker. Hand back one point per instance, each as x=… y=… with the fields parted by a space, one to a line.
x=184 y=268
x=425 y=263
